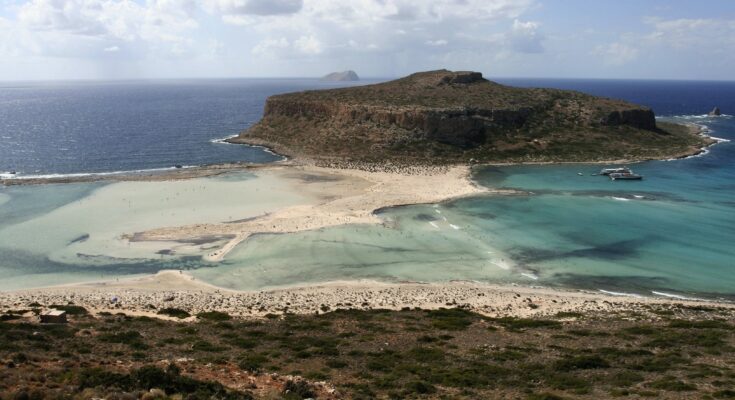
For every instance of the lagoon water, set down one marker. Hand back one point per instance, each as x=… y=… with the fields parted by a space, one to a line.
x=670 y=234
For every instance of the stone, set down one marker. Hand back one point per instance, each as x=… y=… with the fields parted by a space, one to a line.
x=715 y=112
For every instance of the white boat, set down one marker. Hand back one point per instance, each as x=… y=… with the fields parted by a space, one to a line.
x=629 y=176
x=621 y=170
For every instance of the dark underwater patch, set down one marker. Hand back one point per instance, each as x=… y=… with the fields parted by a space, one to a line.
x=424 y=217
x=80 y=239
x=618 y=250
x=21 y=262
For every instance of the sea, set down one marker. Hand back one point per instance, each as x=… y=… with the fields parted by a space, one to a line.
x=669 y=235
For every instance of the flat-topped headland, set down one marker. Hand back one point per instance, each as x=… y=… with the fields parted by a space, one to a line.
x=445 y=117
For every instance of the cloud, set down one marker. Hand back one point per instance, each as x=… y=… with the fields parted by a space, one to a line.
x=694 y=38
x=282 y=47
x=440 y=42
x=525 y=38
x=271 y=46
x=616 y=53
x=79 y=28
x=254 y=7
x=690 y=33
x=395 y=31
x=111 y=49
x=308 y=45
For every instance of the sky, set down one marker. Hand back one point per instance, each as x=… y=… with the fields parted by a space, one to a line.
x=149 y=39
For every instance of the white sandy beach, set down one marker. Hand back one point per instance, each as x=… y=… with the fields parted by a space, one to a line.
x=146 y=295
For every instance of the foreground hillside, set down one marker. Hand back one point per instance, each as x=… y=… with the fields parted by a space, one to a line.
x=445 y=117
x=666 y=351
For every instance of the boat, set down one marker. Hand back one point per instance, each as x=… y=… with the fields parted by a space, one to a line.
x=620 y=170
x=629 y=176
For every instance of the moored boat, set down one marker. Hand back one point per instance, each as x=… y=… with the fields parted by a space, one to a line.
x=629 y=176
x=620 y=170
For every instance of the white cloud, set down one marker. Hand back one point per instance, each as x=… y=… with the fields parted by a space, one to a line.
x=525 y=38
x=616 y=53
x=689 y=33
x=282 y=47
x=80 y=28
x=389 y=35
x=271 y=46
x=253 y=7
x=440 y=42
x=308 y=45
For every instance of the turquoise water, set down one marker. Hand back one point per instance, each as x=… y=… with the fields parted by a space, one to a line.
x=670 y=233
x=55 y=234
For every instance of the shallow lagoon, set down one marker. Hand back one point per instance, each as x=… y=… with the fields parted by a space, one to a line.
x=670 y=233
x=52 y=234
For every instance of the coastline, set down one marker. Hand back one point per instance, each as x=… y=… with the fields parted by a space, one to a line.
x=346 y=196
x=174 y=289
x=291 y=158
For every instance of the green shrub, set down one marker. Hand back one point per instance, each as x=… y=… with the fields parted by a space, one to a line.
x=706 y=324
x=131 y=338
x=453 y=319
x=519 y=324
x=253 y=362
x=214 y=316
x=544 y=396
x=203 y=345
x=581 y=362
x=174 y=312
x=420 y=387
x=672 y=384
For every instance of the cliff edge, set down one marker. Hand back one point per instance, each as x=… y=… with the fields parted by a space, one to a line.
x=442 y=117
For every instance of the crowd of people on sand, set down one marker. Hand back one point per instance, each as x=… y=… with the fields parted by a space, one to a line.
x=386 y=167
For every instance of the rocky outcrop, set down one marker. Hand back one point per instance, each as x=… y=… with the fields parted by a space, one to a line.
x=639 y=118
x=344 y=76
x=715 y=112
x=444 y=116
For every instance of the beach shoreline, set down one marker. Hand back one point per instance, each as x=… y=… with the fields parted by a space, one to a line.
x=175 y=289
x=347 y=194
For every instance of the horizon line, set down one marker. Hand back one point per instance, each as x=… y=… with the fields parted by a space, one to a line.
x=364 y=78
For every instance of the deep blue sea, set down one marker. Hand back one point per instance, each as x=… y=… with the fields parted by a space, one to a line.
x=671 y=234
x=82 y=127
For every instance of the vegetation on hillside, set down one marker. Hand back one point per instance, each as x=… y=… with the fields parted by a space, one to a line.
x=683 y=352
x=441 y=117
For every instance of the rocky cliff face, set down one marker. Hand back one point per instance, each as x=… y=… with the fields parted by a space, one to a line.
x=443 y=116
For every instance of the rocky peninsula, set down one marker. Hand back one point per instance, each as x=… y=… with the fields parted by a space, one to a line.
x=445 y=117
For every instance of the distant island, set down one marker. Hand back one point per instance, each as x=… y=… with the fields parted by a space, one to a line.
x=344 y=76
x=446 y=117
